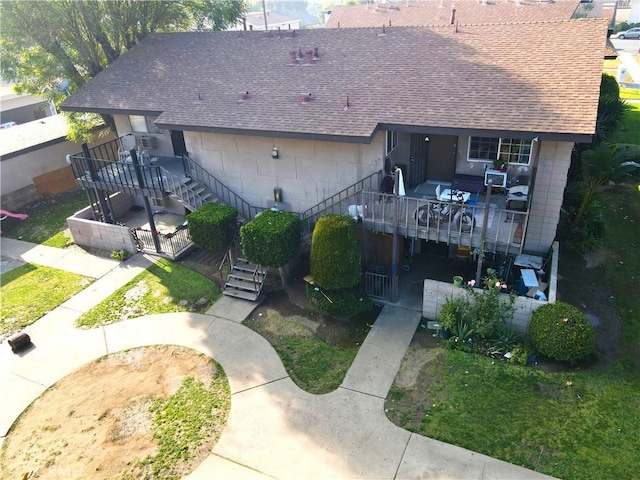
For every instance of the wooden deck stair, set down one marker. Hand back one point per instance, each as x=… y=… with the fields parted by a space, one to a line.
x=245 y=280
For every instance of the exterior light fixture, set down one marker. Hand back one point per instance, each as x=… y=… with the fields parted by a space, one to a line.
x=274 y=152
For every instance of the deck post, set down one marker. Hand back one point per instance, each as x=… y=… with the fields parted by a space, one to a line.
x=102 y=203
x=483 y=231
x=394 y=244
x=147 y=206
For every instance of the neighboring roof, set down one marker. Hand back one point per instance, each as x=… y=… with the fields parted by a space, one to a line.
x=273 y=18
x=25 y=136
x=610 y=52
x=542 y=78
x=438 y=12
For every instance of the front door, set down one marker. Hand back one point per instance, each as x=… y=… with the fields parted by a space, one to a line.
x=177 y=141
x=417 y=161
x=441 y=157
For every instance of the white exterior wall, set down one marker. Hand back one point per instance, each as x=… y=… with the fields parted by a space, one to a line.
x=307 y=171
x=164 y=146
x=551 y=179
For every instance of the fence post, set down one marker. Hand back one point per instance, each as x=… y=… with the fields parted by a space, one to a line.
x=147 y=206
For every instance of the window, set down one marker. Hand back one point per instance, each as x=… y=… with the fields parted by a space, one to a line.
x=513 y=150
x=392 y=141
x=142 y=124
x=505 y=150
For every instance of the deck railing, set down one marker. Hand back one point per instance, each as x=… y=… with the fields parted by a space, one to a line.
x=448 y=222
x=171 y=244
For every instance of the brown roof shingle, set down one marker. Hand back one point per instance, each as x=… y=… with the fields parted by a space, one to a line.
x=438 y=12
x=539 y=78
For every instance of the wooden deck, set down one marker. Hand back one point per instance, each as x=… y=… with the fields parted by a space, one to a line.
x=449 y=222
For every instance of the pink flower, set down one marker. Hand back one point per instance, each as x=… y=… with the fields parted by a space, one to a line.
x=504 y=285
x=471 y=282
x=565 y=320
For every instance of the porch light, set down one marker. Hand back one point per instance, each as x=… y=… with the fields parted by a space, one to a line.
x=274 y=152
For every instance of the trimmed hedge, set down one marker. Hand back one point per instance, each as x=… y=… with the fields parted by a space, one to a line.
x=562 y=332
x=345 y=302
x=271 y=239
x=213 y=226
x=335 y=254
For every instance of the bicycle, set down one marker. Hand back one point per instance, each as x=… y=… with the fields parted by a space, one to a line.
x=441 y=212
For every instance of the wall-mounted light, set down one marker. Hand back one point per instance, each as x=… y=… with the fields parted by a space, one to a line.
x=274 y=152
x=535 y=139
x=277 y=195
x=426 y=139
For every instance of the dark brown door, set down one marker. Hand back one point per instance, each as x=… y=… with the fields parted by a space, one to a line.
x=417 y=161
x=441 y=157
x=177 y=141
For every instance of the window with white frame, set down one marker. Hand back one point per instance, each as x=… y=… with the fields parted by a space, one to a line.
x=505 y=150
x=142 y=124
x=392 y=141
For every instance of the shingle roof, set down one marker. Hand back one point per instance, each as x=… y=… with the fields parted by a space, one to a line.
x=438 y=12
x=539 y=78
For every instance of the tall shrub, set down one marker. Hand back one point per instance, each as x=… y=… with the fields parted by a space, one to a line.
x=271 y=239
x=562 y=332
x=213 y=226
x=335 y=253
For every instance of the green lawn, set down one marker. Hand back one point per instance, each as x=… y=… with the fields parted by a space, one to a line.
x=568 y=425
x=163 y=288
x=629 y=131
x=315 y=366
x=629 y=94
x=46 y=221
x=30 y=291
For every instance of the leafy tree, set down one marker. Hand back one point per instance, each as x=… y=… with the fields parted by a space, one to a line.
x=45 y=42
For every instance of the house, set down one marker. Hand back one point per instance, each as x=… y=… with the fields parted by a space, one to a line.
x=450 y=12
x=275 y=21
x=22 y=108
x=307 y=118
x=33 y=163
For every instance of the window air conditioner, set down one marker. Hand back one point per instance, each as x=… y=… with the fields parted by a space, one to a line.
x=148 y=142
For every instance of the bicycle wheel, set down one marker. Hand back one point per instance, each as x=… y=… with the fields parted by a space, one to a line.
x=422 y=215
x=465 y=222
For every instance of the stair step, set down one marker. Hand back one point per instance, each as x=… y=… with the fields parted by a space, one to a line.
x=241 y=294
x=199 y=190
x=246 y=276
x=242 y=285
x=206 y=196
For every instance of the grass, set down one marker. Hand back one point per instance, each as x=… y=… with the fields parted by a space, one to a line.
x=629 y=94
x=313 y=365
x=629 y=131
x=47 y=221
x=183 y=422
x=568 y=425
x=30 y=291
x=163 y=288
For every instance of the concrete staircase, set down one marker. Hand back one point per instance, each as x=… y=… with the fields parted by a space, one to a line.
x=245 y=280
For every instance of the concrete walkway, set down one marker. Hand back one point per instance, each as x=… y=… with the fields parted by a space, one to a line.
x=629 y=62
x=275 y=430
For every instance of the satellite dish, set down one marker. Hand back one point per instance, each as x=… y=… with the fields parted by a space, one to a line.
x=64 y=86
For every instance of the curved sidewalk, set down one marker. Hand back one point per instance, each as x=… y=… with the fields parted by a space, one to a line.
x=275 y=430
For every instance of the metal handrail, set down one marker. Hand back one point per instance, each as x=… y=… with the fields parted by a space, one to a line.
x=220 y=190
x=311 y=215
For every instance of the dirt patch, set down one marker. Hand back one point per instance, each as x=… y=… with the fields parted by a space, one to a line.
x=95 y=423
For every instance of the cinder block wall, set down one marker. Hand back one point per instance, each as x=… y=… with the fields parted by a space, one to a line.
x=86 y=232
x=436 y=293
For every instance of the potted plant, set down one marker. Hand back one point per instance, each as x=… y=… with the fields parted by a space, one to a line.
x=457 y=281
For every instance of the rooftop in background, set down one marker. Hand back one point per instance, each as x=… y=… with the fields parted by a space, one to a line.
x=26 y=135
x=519 y=78
x=439 y=12
x=255 y=20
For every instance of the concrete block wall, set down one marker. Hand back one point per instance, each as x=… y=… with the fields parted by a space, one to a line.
x=307 y=171
x=436 y=293
x=86 y=232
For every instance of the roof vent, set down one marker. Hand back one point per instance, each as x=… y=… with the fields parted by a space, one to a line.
x=453 y=16
x=316 y=55
x=347 y=105
x=394 y=7
x=243 y=96
x=293 y=58
x=384 y=32
x=304 y=98
x=300 y=56
x=309 y=60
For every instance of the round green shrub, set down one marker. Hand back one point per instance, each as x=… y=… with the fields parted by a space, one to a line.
x=562 y=332
x=271 y=239
x=212 y=226
x=335 y=253
x=609 y=87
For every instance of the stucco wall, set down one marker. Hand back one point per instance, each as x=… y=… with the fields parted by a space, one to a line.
x=306 y=171
x=19 y=171
x=164 y=146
